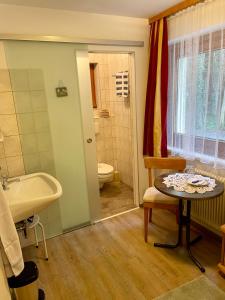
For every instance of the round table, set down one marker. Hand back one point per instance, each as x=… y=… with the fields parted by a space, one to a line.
x=183 y=196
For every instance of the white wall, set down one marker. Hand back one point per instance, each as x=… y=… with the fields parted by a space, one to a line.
x=27 y=20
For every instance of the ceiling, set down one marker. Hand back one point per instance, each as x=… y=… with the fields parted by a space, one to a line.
x=131 y=8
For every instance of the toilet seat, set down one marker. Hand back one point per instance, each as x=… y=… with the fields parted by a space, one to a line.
x=104 y=169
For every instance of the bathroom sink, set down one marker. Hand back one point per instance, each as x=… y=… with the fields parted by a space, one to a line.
x=29 y=194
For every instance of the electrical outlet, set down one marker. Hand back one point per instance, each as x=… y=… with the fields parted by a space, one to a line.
x=61 y=91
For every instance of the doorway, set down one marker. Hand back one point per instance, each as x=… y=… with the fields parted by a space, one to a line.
x=114 y=133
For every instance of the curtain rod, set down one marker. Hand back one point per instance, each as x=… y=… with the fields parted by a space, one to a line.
x=174 y=9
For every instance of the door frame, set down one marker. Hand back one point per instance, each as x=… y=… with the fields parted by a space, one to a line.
x=88 y=126
x=84 y=85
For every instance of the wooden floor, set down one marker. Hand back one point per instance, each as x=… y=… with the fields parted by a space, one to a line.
x=110 y=260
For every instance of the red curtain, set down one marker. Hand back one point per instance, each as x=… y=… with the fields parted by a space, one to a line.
x=155 y=126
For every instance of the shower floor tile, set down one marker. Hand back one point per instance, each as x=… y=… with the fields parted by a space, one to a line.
x=116 y=197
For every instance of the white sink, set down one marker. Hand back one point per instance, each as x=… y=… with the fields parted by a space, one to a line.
x=29 y=194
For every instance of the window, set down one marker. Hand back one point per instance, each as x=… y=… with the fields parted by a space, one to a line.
x=208 y=120
x=196 y=106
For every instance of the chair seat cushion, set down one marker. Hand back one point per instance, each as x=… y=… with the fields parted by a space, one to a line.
x=223 y=228
x=153 y=195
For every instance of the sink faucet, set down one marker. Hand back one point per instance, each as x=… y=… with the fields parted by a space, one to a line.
x=4 y=182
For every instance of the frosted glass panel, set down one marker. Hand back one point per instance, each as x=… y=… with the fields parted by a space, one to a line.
x=49 y=127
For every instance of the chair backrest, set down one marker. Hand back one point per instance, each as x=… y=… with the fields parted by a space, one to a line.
x=170 y=163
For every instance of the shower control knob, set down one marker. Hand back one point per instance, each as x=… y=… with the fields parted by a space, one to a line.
x=89 y=140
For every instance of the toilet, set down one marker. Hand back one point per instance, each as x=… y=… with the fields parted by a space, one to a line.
x=105 y=174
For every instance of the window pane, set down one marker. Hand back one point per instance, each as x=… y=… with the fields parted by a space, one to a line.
x=209 y=105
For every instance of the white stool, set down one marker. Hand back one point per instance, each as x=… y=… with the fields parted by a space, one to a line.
x=33 y=222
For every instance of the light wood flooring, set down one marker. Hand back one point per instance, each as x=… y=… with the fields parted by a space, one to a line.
x=115 y=197
x=110 y=260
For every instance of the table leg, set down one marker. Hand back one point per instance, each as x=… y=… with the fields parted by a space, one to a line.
x=179 y=240
x=188 y=241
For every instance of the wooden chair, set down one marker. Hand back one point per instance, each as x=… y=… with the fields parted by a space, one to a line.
x=152 y=197
x=221 y=265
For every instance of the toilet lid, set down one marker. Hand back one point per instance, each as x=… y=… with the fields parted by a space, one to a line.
x=104 y=168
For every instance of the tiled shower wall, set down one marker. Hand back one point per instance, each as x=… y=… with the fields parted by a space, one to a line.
x=33 y=121
x=114 y=142
x=11 y=160
x=23 y=121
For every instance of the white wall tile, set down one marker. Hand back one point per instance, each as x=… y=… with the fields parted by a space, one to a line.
x=107 y=132
x=26 y=123
x=6 y=103
x=15 y=165
x=47 y=162
x=3 y=63
x=2 y=151
x=44 y=141
x=38 y=100
x=22 y=102
x=29 y=143
x=32 y=163
x=12 y=146
x=11 y=161
x=8 y=125
x=3 y=166
x=113 y=131
x=5 y=84
x=19 y=80
x=103 y=71
x=113 y=143
x=91 y=57
x=41 y=121
x=103 y=58
x=35 y=79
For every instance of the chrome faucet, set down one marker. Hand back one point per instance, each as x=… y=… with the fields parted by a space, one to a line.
x=4 y=180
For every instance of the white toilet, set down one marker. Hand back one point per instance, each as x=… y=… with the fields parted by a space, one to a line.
x=105 y=174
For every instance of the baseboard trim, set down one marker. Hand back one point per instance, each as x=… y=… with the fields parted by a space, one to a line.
x=116 y=215
x=206 y=231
